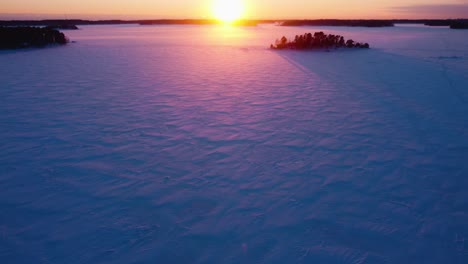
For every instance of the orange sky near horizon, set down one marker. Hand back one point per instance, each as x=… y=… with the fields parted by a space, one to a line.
x=254 y=9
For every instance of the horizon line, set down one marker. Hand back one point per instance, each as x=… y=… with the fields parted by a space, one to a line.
x=242 y=19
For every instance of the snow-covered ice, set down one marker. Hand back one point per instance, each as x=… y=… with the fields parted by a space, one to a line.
x=198 y=144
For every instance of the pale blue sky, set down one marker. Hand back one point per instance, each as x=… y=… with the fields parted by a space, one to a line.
x=132 y=9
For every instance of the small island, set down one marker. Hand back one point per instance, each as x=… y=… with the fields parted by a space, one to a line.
x=24 y=37
x=318 y=40
x=459 y=25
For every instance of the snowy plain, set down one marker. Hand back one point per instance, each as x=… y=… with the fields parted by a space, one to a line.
x=198 y=144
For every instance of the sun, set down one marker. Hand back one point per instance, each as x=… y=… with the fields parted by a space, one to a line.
x=228 y=10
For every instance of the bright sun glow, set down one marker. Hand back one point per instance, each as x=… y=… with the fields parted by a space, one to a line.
x=228 y=10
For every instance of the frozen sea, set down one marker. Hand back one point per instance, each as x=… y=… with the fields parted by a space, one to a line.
x=198 y=144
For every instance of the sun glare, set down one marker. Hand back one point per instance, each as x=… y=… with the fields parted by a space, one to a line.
x=228 y=10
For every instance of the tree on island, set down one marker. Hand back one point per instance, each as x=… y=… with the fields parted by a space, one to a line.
x=459 y=24
x=23 y=37
x=318 y=40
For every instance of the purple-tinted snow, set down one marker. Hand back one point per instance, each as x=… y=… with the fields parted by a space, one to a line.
x=198 y=144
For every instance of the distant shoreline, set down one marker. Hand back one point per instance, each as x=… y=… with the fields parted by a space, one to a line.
x=280 y=22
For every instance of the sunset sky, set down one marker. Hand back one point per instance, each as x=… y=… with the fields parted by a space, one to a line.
x=255 y=9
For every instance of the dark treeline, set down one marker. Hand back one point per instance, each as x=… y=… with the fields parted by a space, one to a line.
x=63 y=26
x=318 y=40
x=55 y=22
x=339 y=22
x=446 y=22
x=459 y=25
x=453 y=23
x=23 y=37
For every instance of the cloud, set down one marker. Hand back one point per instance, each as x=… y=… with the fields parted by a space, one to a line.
x=433 y=11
